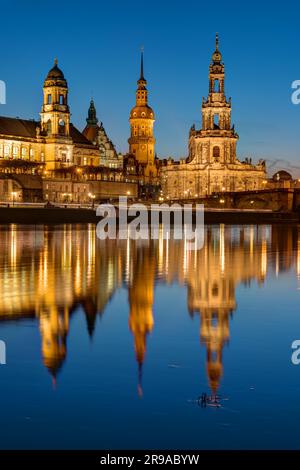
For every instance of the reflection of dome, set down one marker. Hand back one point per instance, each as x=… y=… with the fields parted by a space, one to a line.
x=142 y=112
x=56 y=75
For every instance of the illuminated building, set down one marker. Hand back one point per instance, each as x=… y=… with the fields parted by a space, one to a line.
x=212 y=165
x=141 y=299
x=52 y=141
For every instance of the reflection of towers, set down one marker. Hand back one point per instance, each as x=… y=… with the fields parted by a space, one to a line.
x=231 y=255
x=214 y=333
x=54 y=328
x=141 y=298
x=49 y=274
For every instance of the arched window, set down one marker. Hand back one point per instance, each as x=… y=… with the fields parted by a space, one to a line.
x=216 y=86
x=216 y=153
x=49 y=127
x=61 y=126
x=61 y=99
x=49 y=99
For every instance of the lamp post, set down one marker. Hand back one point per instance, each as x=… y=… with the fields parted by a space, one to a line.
x=92 y=197
x=14 y=194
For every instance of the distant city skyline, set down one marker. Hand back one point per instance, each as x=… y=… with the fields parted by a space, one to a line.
x=98 y=50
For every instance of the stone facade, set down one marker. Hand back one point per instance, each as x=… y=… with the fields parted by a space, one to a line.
x=212 y=165
x=86 y=192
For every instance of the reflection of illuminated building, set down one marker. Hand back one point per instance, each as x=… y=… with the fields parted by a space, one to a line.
x=49 y=274
x=141 y=298
x=54 y=329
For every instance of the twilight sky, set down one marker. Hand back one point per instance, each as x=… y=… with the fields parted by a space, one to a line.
x=98 y=46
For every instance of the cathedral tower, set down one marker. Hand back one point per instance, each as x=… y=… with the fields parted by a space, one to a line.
x=216 y=142
x=142 y=141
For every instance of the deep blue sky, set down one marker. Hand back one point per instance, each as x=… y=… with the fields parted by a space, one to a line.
x=98 y=44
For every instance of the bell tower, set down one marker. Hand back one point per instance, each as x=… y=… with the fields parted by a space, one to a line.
x=142 y=141
x=55 y=115
x=55 y=120
x=216 y=141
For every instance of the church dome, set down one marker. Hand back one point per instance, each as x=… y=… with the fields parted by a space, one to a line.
x=55 y=75
x=144 y=112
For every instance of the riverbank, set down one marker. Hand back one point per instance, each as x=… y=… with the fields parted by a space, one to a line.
x=57 y=215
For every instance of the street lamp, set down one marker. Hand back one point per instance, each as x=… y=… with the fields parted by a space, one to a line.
x=92 y=197
x=14 y=195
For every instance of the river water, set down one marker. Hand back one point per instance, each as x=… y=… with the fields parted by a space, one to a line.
x=145 y=344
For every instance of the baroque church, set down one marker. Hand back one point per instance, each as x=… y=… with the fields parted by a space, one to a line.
x=212 y=165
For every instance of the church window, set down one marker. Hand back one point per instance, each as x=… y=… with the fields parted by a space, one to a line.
x=24 y=152
x=49 y=99
x=61 y=99
x=216 y=153
x=49 y=127
x=15 y=151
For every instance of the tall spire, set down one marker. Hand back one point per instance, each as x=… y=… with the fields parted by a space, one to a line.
x=142 y=64
x=217 y=56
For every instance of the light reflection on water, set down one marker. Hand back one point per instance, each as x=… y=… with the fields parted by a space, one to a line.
x=175 y=309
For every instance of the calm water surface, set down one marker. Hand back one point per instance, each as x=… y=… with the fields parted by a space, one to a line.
x=111 y=343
